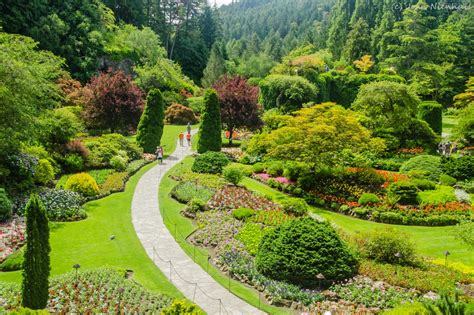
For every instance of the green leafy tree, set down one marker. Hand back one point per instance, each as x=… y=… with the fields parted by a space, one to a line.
x=210 y=129
x=215 y=68
x=36 y=264
x=150 y=128
x=466 y=98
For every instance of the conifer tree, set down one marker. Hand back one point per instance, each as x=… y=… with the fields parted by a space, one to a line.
x=215 y=66
x=36 y=265
x=150 y=128
x=358 y=41
x=210 y=130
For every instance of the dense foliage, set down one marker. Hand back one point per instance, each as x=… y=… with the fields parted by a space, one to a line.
x=150 y=128
x=210 y=129
x=36 y=265
x=177 y=114
x=82 y=183
x=300 y=250
x=210 y=162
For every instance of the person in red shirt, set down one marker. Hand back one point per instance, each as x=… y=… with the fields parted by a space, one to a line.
x=181 y=138
x=188 y=137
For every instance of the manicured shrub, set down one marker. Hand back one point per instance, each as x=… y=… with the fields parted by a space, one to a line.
x=178 y=114
x=293 y=170
x=423 y=184
x=243 y=213
x=28 y=311
x=82 y=183
x=114 y=182
x=389 y=246
x=5 y=206
x=44 y=172
x=73 y=163
x=441 y=195
x=406 y=191
x=210 y=162
x=233 y=173
x=259 y=167
x=295 y=206
x=36 y=263
x=210 y=129
x=150 y=128
x=13 y=261
x=184 y=192
x=461 y=168
x=275 y=168
x=447 y=180
x=180 y=307
x=428 y=165
x=196 y=205
x=102 y=149
x=431 y=112
x=368 y=198
x=301 y=249
x=118 y=162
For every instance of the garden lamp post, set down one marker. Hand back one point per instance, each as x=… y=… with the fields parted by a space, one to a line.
x=76 y=267
x=398 y=256
x=320 y=277
x=446 y=254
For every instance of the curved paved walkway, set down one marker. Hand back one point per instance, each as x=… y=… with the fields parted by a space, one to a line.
x=153 y=234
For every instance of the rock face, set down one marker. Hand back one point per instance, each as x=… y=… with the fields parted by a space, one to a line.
x=125 y=65
x=431 y=295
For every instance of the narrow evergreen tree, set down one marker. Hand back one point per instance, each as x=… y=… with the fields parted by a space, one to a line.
x=215 y=66
x=358 y=41
x=150 y=128
x=36 y=258
x=210 y=130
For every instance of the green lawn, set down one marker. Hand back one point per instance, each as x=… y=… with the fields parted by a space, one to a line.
x=88 y=242
x=182 y=227
x=430 y=241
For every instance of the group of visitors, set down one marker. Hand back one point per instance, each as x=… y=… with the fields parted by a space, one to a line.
x=159 y=149
x=188 y=136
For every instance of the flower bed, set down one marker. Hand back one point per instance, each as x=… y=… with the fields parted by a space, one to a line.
x=233 y=197
x=101 y=290
x=12 y=237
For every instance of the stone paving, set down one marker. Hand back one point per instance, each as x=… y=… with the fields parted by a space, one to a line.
x=168 y=255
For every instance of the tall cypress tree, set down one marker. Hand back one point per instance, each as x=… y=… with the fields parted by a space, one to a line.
x=150 y=128
x=215 y=66
x=210 y=130
x=36 y=266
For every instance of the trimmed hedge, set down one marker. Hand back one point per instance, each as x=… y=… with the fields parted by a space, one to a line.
x=301 y=249
x=210 y=162
x=432 y=113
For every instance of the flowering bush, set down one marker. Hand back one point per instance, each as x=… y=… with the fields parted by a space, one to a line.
x=232 y=197
x=101 y=290
x=272 y=217
x=417 y=150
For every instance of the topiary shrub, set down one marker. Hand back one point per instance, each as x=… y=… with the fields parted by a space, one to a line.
x=44 y=172
x=243 y=213
x=299 y=250
x=182 y=307
x=447 y=180
x=389 y=246
x=295 y=206
x=428 y=165
x=150 y=128
x=368 y=198
x=82 y=183
x=211 y=127
x=431 y=112
x=210 y=162
x=178 y=114
x=233 y=173
x=406 y=191
x=118 y=162
x=5 y=206
x=423 y=184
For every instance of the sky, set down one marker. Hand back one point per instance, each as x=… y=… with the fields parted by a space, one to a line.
x=219 y=2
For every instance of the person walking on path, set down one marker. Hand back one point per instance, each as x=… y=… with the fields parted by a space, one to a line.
x=188 y=127
x=188 y=137
x=159 y=154
x=181 y=138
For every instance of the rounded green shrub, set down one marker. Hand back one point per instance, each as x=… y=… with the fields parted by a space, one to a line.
x=368 y=198
x=405 y=191
x=428 y=165
x=423 y=184
x=182 y=307
x=210 y=162
x=461 y=168
x=295 y=206
x=13 y=261
x=196 y=205
x=447 y=180
x=431 y=112
x=44 y=172
x=82 y=183
x=233 y=173
x=441 y=195
x=118 y=162
x=299 y=250
x=389 y=246
x=243 y=213
x=258 y=167
x=73 y=163
x=275 y=168
x=5 y=206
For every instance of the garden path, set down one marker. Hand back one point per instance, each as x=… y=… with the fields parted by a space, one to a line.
x=166 y=253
